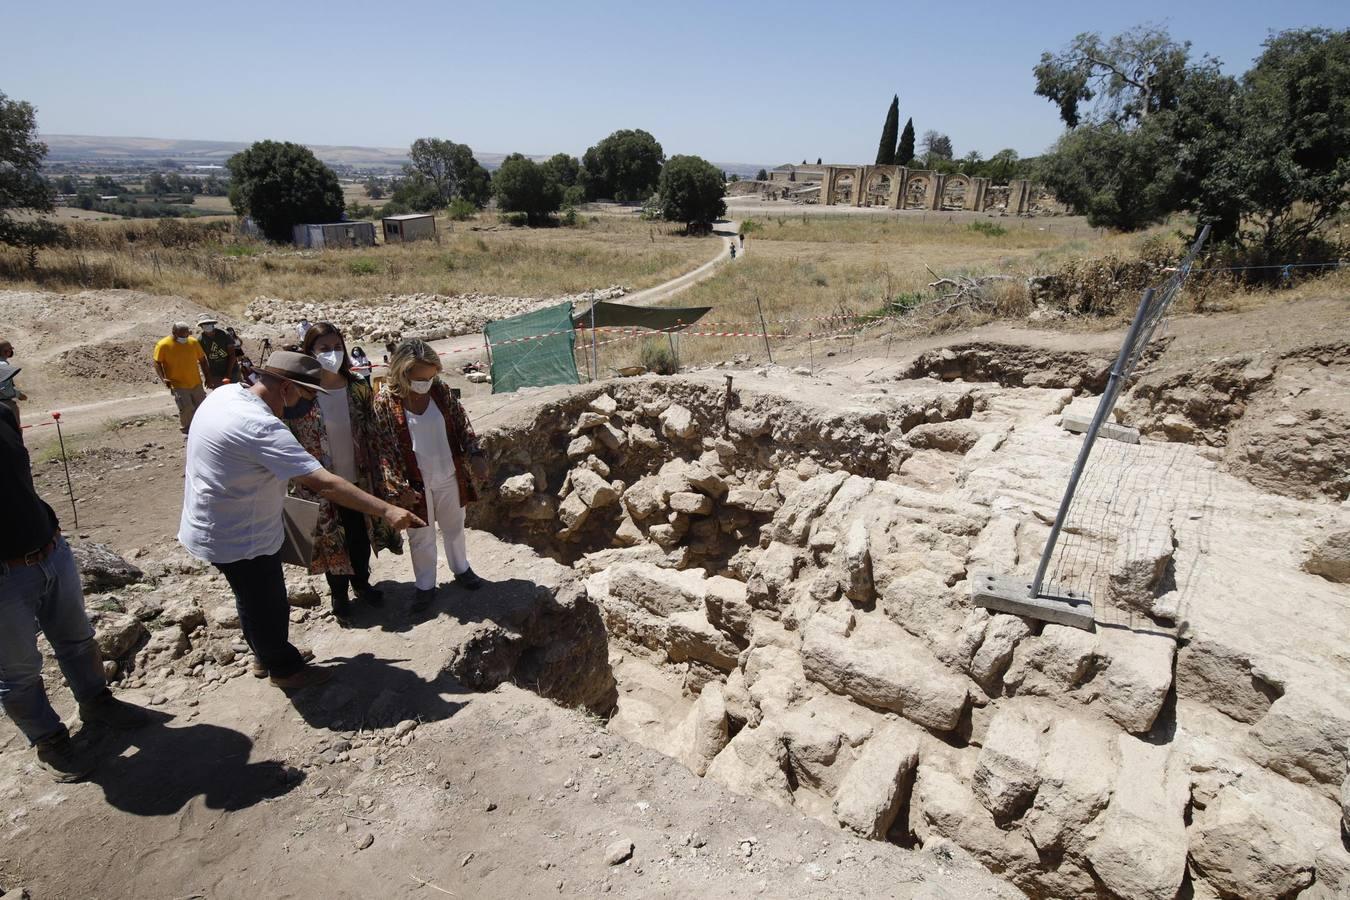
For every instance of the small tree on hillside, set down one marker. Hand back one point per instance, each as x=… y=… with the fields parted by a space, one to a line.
x=762 y=175
x=282 y=185
x=691 y=191
x=22 y=187
x=904 y=151
x=889 y=134
x=522 y=186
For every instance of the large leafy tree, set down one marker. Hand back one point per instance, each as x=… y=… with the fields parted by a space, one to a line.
x=522 y=186
x=439 y=171
x=936 y=146
x=624 y=166
x=282 y=185
x=890 y=134
x=23 y=190
x=566 y=170
x=691 y=191
x=904 y=151
x=1128 y=77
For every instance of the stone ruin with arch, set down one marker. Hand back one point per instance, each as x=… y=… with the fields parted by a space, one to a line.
x=900 y=187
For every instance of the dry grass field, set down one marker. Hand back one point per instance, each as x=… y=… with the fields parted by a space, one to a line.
x=220 y=270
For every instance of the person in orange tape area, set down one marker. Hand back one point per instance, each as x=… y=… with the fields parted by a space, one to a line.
x=429 y=457
x=338 y=431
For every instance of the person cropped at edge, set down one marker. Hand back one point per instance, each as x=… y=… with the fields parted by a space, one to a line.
x=426 y=451
x=40 y=590
x=219 y=349
x=339 y=432
x=180 y=363
x=10 y=395
x=240 y=457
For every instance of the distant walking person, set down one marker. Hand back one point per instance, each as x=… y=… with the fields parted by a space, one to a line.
x=733 y=249
x=339 y=432
x=10 y=395
x=40 y=590
x=429 y=457
x=180 y=363
x=239 y=458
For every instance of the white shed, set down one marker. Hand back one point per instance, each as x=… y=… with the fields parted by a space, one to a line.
x=335 y=234
x=410 y=227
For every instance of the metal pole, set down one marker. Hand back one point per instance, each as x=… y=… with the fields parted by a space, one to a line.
x=1103 y=409
x=70 y=488
x=764 y=329
x=810 y=348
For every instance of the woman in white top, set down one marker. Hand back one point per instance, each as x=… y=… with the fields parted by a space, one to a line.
x=429 y=456
x=339 y=432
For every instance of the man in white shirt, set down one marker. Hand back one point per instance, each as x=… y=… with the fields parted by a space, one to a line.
x=240 y=457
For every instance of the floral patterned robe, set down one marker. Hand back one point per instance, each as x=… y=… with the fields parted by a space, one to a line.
x=399 y=478
x=330 y=540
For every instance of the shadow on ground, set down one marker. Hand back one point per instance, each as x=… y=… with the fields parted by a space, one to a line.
x=370 y=692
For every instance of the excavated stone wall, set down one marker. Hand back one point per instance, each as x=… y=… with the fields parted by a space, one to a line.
x=785 y=585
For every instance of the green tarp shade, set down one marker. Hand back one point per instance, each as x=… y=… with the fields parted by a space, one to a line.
x=621 y=315
x=536 y=363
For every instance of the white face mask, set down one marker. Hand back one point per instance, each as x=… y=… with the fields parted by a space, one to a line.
x=421 y=387
x=207 y=329
x=182 y=340
x=330 y=359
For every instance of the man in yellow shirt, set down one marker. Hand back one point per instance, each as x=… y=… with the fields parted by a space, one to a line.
x=180 y=363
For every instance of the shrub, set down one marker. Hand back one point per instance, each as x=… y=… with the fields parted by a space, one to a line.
x=363 y=266
x=461 y=210
x=570 y=218
x=989 y=229
x=750 y=226
x=657 y=356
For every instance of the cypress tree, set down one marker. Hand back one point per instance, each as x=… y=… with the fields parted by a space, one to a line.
x=904 y=154
x=889 y=131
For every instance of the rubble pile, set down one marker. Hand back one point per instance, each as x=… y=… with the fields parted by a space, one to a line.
x=787 y=585
x=426 y=316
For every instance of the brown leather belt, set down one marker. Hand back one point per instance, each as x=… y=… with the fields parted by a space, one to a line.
x=32 y=558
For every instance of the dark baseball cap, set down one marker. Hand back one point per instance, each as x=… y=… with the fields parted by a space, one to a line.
x=299 y=368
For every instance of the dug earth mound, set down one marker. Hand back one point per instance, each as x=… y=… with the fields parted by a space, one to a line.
x=783 y=567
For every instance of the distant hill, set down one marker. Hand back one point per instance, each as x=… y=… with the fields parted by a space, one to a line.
x=68 y=148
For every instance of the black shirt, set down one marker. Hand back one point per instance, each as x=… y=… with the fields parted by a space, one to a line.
x=218 y=348
x=26 y=524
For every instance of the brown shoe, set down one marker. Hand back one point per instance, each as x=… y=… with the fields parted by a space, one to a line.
x=258 y=670
x=303 y=678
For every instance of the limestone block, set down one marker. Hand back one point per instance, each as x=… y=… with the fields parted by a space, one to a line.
x=754 y=500
x=662 y=591
x=879 y=663
x=517 y=488
x=996 y=547
x=665 y=535
x=703 y=477
x=741 y=707
x=573 y=511
x=1001 y=637
x=1076 y=774
x=793 y=521
x=943 y=806
x=747 y=424
x=1138 y=567
x=873 y=791
x=1141 y=849
x=594 y=464
x=678 y=422
x=588 y=420
x=1007 y=772
x=167 y=641
x=1221 y=676
x=1136 y=676
x=728 y=606
x=581 y=447
x=628 y=534
x=754 y=764
x=812 y=746
x=919 y=601
x=117 y=634
x=612 y=438
x=642 y=436
x=952 y=437
x=603 y=404
x=774 y=678
x=644 y=499
x=593 y=490
x=691 y=504
x=1329 y=554
x=772 y=575
x=1250 y=845
x=224 y=615
x=183 y=612
x=702 y=734
x=693 y=637
x=857 y=562
x=1053 y=663
x=1306 y=735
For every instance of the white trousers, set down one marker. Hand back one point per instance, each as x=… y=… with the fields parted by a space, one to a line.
x=445 y=513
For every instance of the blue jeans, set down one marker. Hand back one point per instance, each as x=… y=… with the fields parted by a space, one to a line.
x=46 y=596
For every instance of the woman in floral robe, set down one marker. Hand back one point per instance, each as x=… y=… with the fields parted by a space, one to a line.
x=339 y=431
x=427 y=457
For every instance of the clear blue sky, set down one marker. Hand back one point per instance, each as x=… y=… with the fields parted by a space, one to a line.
x=733 y=82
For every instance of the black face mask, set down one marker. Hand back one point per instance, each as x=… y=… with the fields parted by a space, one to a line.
x=299 y=409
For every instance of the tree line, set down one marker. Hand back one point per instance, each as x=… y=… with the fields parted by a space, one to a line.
x=933 y=151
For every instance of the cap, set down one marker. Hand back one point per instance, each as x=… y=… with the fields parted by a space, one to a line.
x=295 y=367
x=202 y=320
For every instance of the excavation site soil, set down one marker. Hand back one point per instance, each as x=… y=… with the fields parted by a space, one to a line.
x=728 y=645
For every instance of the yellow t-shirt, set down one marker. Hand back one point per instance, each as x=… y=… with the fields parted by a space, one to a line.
x=180 y=361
